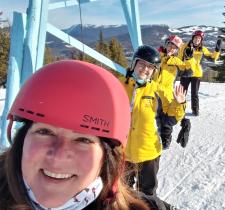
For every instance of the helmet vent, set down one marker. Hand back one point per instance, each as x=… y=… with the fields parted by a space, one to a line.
x=40 y=115
x=84 y=126
x=94 y=128
x=31 y=112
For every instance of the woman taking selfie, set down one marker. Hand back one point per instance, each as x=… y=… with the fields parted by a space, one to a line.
x=68 y=152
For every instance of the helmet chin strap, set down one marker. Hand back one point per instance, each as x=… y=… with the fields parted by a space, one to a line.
x=9 y=128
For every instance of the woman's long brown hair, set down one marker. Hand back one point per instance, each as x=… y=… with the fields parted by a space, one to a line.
x=13 y=194
x=113 y=172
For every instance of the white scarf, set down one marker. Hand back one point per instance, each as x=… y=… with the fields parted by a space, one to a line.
x=78 y=202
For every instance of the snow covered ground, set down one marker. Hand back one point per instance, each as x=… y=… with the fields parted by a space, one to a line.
x=194 y=178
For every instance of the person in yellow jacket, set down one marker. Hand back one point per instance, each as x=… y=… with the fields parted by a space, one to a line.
x=196 y=49
x=171 y=64
x=166 y=76
x=146 y=99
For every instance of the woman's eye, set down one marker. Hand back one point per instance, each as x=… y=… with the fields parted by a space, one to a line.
x=84 y=140
x=44 y=131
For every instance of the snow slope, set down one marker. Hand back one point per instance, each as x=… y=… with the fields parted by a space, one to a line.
x=194 y=178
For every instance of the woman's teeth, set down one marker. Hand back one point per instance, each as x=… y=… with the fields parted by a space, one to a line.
x=56 y=175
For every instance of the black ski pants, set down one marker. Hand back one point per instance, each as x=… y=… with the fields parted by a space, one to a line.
x=195 y=84
x=145 y=174
x=147 y=182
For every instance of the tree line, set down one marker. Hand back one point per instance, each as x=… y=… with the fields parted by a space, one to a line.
x=111 y=49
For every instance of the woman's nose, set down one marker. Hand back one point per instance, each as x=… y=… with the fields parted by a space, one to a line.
x=61 y=149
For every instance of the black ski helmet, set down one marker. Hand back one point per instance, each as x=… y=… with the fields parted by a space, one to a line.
x=146 y=53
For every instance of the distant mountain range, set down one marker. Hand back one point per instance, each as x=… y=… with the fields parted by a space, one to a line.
x=151 y=34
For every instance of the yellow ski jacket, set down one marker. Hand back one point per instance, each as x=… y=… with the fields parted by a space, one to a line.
x=146 y=101
x=170 y=65
x=198 y=55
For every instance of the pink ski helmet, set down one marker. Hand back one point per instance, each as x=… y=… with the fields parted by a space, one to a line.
x=75 y=95
x=176 y=40
x=198 y=33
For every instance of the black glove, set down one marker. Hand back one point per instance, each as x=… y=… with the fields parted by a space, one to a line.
x=166 y=136
x=218 y=45
x=188 y=52
x=183 y=135
x=129 y=73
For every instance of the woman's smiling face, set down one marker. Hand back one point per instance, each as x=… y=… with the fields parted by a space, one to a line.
x=144 y=69
x=197 y=40
x=58 y=163
x=171 y=49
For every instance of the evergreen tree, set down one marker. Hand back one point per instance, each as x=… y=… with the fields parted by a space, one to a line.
x=102 y=47
x=113 y=50
x=1 y=17
x=48 y=58
x=4 y=55
x=83 y=57
x=117 y=53
x=73 y=55
x=221 y=68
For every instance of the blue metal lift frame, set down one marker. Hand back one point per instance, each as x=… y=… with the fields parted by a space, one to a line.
x=28 y=35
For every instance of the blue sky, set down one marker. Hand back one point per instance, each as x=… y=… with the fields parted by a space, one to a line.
x=174 y=13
